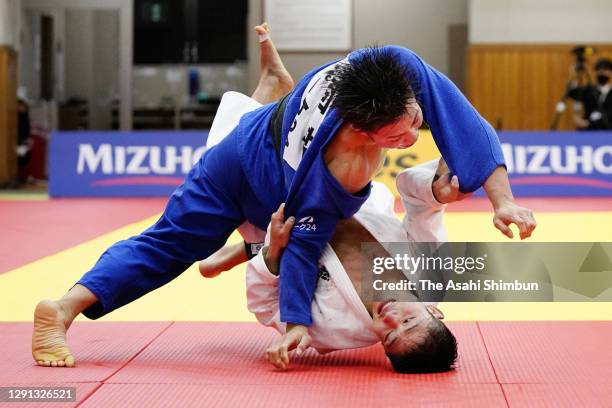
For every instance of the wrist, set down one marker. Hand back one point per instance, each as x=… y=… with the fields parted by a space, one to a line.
x=296 y=326
x=274 y=253
x=497 y=187
x=272 y=261
x=501 y=201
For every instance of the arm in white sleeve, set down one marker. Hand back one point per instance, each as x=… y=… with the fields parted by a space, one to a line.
x=424 y=218
x=262 y=293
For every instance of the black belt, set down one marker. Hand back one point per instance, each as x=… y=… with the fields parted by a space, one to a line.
x=276 y=122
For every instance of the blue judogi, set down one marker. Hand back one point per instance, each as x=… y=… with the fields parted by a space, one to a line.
x=245 y=178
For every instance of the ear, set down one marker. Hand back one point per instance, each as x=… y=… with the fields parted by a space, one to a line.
x=435 y=311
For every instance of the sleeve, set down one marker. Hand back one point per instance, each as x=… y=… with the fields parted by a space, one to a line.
x=262 y=293
x=319 y=203
x=424 y=217
x=467 y=142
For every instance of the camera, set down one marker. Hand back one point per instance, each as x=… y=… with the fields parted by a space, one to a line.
x=581 y=52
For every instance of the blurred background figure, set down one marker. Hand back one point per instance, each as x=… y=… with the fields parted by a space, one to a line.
x=593 y=101
x=24 y=141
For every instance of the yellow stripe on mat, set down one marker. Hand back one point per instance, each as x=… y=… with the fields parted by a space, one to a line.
x=193 y=298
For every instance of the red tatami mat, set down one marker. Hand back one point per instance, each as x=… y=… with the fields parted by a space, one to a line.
x=349 y=394
x=35 y=229
x=198 y=364
x=221 y=353
x=100 y=349
x=559 y=395
x=550 y=352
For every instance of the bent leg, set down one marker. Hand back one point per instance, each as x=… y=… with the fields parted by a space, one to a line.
x=199 y=217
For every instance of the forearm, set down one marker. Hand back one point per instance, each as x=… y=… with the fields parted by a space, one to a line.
x=497 y=187
x=272 y=259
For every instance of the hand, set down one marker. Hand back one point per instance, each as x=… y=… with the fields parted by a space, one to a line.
x=280 y=231
x=510 y=213
x=446 y=189
x=297 y=337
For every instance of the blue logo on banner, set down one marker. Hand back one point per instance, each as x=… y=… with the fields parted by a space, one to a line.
x=155 y=163
x=559 y=163
x=121 y=163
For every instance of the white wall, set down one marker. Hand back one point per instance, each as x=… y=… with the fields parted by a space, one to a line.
x=540 y=21
x=10 y=20
x=421 y=25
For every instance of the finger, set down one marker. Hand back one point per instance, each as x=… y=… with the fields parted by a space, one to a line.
x=303 y=345
x=531 y=221
x=522 y=226
x=280 y=212
x=287 y=226
x=500 y=225
x=530 y=226
x=454 y=184
x=284 y=357
x=273 y=357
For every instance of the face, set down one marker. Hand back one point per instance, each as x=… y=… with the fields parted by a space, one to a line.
x=601 y=73
x=403 y=133
x=400 y=324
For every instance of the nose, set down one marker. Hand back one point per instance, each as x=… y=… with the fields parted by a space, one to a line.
x=390 y=320
x=411 y=138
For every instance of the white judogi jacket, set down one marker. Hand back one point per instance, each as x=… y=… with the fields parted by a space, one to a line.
x=340 y=319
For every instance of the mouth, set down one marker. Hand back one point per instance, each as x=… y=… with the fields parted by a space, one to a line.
x=382 y=306
x=386 y=338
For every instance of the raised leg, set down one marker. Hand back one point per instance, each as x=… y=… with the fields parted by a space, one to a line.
x=274 y=81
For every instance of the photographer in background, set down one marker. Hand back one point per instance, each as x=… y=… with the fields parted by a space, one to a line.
x=593 y=102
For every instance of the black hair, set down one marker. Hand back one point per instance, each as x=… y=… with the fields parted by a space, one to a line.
x=436 y=353
x=603 y=63
x=372 y=90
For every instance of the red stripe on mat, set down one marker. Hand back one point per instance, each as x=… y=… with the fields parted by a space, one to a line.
x=559 y=395
x=35 y=229
x=100 y=349
x=539 y=204
x=550 y=352
x=347 y=393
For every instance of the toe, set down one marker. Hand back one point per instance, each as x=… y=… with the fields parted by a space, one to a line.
x=69 y=361
x=61 y=363
x=47 y=363
x=40 y=363
x=54 y=364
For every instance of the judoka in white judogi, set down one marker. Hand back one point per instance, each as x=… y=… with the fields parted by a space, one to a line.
x=340 y=319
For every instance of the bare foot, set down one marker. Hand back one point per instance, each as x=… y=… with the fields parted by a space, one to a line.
x=223 y=260
x=275 y=79
x=49 y=347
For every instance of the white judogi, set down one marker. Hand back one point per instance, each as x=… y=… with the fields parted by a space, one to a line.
x=340 y=319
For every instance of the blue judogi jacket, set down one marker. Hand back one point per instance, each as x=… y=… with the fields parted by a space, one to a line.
x=315 y=198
